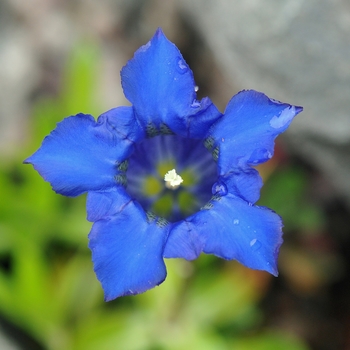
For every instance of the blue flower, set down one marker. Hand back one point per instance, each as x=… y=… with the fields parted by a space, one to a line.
x=169 y=176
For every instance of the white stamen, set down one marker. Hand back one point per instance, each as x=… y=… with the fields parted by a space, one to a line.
x=172 y=180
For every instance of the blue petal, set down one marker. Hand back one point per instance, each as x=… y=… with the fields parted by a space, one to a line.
x=245 y=135
x=122 y=122
x=82 y=154
x=184 y=241
x=127 y=252
x=160 y=85
x=230 y=229
x=245 y=184
x=102 y=204
x=199 y=123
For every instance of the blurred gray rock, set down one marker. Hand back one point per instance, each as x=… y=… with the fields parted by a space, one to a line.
x=36 y=38
x=296 y=51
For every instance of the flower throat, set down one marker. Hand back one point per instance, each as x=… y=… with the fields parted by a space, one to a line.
x=171 y=176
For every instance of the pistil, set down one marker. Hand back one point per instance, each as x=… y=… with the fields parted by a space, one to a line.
x=172 y=179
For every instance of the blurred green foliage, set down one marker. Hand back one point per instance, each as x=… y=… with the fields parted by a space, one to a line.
x=47 y=286
x=286 y=192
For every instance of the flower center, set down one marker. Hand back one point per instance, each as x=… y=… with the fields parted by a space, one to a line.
x=172 y=180
x=171 y=176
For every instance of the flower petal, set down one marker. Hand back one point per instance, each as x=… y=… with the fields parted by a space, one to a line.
x=160 y=85
x=127 y=252
x=230 y=229
x=184 y=241
x=122 y=122
x=102 y=204
x=199 y=123
x=245 y=184
x=82 y=154
x=245 y=135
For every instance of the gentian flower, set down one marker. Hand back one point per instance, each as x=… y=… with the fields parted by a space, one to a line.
x=169 y=176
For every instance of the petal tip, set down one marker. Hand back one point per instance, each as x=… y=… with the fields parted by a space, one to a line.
x=298 y=109
x=159 y=32
x=27 y=160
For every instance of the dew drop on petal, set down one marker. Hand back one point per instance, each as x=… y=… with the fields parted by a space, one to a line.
x=260 y=155
x=183 y=68
x=235 y=221
x=195 y=104
x=276 y=101
x=219 y=188
x=255 y=244
x=145 y=47
x=284 y=118
x=196 y=88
